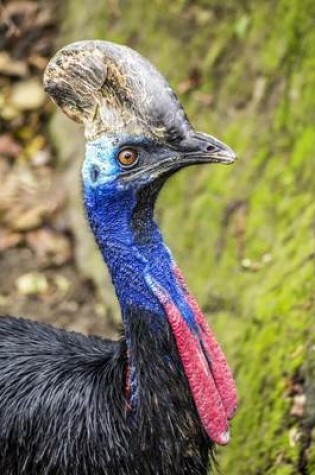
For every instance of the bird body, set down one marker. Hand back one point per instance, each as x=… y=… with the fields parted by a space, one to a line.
x=64 y=404
x=156 y=400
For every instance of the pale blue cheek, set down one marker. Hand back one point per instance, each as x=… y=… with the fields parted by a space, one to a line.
x=100 y=166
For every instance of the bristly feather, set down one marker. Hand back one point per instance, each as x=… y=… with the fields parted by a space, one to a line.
x=63 y=409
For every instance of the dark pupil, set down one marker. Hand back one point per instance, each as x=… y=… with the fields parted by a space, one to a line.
x=128 y=155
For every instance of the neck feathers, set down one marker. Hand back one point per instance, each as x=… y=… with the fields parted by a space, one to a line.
x=131 y=245
x=147 y=282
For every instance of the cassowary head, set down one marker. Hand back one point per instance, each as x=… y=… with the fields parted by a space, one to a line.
x=137 y=132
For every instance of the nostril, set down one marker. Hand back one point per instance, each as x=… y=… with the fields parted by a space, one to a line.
x=94 y=173
x=211 y=148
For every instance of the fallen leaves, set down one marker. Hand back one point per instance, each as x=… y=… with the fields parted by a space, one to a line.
x=32 y=283
x=28 y=198
x=27 y=95
x=9 y=239
x=39 y=275
x=21 y=97
x=23 y=220
x=30 y=203
x=28 y=29
x=9 y=147
x=50 y=247
x=39 y=285
x=11 y=67
x=31 y=198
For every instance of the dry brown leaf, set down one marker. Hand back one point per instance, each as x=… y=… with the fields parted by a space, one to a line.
x=32 y=283
x=9 y=147
x=27 y=95
x=27 y=26
x=32 y=218
x=11 y=67
x=38 y=61
x=49 y=246
x=27 y=198
x=298 y=407
x=9 y=239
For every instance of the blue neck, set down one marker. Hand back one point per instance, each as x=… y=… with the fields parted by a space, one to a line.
x=133 y=248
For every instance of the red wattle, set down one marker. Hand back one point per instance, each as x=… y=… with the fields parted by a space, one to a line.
x=219 y=366
x=202 y=385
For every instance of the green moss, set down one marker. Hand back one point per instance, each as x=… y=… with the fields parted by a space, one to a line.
x=244 y=235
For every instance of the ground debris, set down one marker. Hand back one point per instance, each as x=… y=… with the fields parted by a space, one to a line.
x=28 y=198
x=32 y=283
x=9 y=147
x=27 y=95
x=11 y=67
x=39 y=275
x=50 y=247
x=28 y=28
x=9 y=239
x=299 y=404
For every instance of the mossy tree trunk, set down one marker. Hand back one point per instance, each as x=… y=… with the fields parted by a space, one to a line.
x=246 y=73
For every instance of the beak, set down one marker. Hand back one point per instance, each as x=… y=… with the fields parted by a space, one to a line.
x=201 y=148
x=196 y=148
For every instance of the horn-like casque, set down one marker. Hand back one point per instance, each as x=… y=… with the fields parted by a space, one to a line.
x=111 y=88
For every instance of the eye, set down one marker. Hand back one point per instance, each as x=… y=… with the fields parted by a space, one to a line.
x=128 y=157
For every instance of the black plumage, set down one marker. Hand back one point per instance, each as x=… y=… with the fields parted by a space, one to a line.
x=63 y=406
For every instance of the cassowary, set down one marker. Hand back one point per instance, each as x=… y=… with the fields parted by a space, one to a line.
x=157 y=400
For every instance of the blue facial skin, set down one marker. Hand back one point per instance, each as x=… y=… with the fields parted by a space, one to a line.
x=110 y=203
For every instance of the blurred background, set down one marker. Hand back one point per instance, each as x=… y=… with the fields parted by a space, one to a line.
x=243 y=235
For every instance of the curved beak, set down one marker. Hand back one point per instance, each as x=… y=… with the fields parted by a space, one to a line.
x=201 y=148
x=197 y=148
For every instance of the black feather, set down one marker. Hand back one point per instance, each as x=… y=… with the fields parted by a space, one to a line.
x=63 y=406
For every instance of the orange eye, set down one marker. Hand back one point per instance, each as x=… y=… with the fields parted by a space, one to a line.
x=128 y=157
